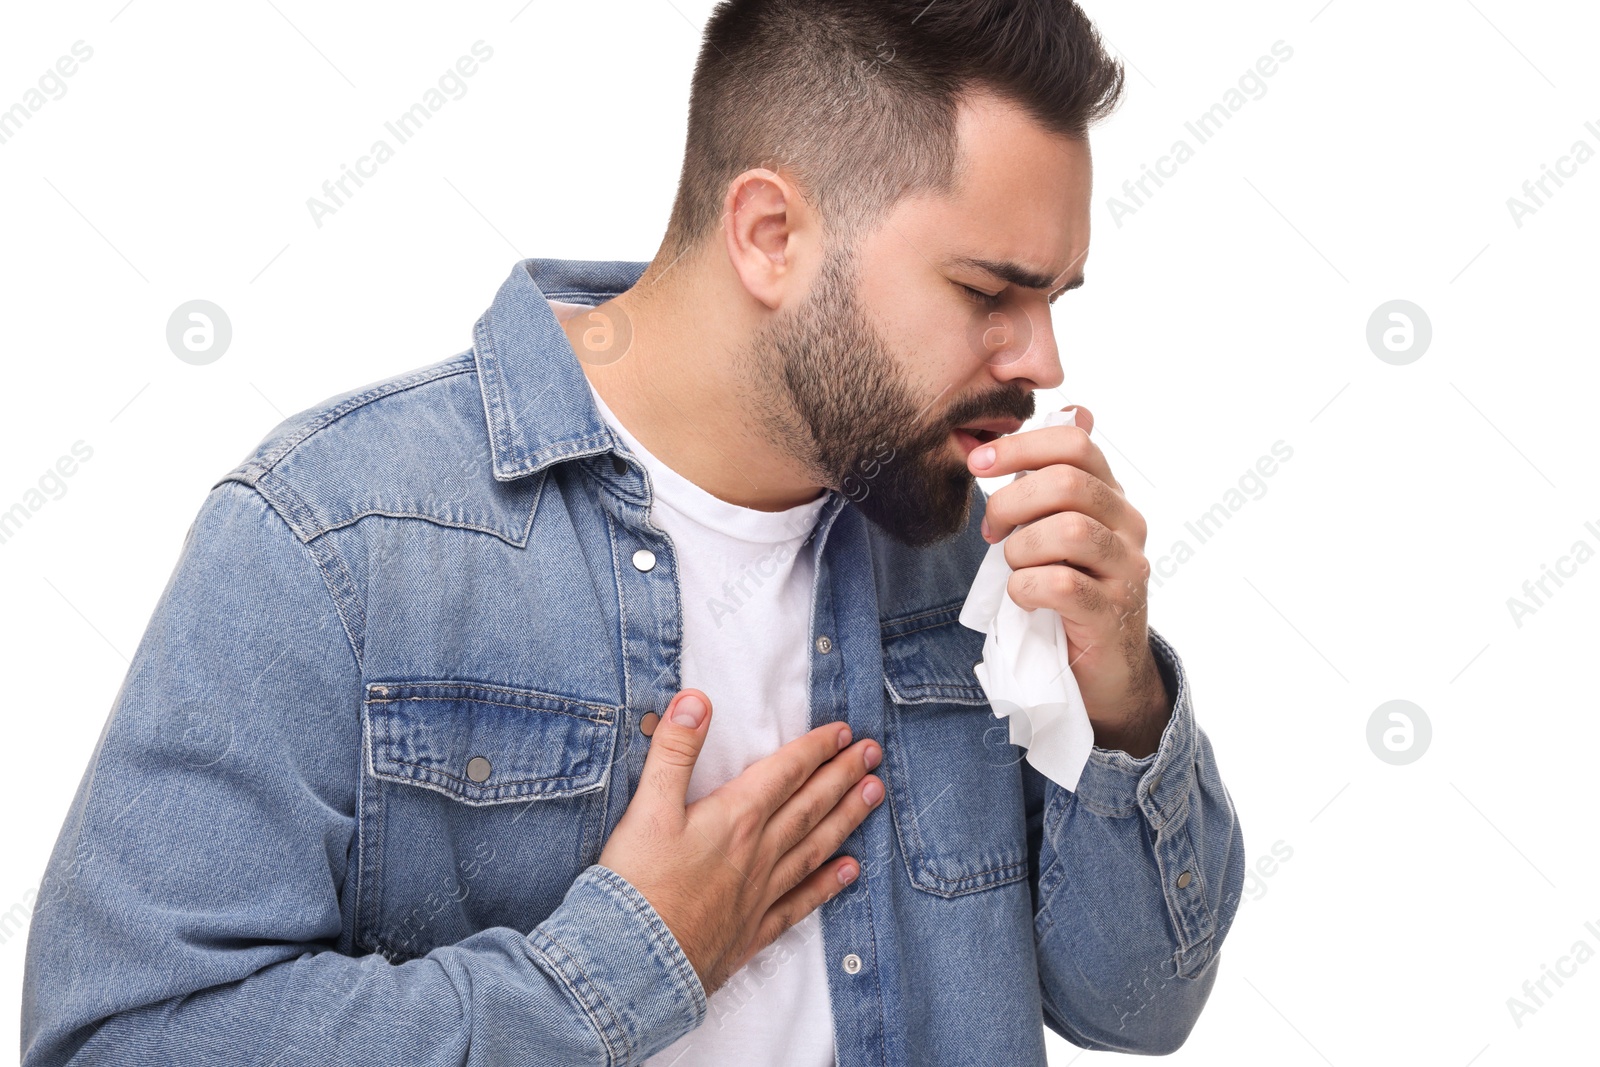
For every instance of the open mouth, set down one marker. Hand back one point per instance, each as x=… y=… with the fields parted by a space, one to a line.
x=971 y=437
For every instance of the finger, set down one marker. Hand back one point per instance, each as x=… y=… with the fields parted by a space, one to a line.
x=823 y=885
x=1030 y=450
x=825 y=838
x=1066 y=590
x=821 y=794
x=1055 y=489
x=771 y=780
x=1069 y=537
x=675 y=746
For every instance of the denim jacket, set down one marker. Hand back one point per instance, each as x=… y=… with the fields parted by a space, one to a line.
x=347 y=805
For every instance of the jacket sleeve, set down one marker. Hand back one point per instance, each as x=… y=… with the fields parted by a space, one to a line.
x=190 y=911
x=1136 y=878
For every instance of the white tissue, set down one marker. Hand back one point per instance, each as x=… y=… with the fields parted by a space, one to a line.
x=1026 y=670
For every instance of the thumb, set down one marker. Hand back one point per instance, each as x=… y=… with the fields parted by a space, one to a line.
x=1084 y=419
x=676 y=742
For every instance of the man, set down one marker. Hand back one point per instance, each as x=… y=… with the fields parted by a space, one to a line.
x=597 y=696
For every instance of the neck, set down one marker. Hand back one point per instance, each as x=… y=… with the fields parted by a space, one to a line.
x=678 y=389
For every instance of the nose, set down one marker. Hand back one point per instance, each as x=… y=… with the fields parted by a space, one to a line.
x=1021 y=345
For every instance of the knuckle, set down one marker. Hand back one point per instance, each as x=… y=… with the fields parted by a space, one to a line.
x=765 y=792
x=1069 y=480
x=1079 y=443
x=1024 y=542
x=1139 y=526
x=786 y=917
x=813 y=855
x=744 y=827
x=1077 y=526
x=1105 y=540
x=1064 y=581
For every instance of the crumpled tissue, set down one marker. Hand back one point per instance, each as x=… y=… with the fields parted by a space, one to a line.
x=1026 y=671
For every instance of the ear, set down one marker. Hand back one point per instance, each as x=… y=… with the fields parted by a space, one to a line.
x=769 y=234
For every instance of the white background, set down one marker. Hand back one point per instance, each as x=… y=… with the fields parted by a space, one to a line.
x=1228 y=313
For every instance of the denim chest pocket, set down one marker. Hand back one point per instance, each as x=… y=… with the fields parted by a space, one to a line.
x=955 y=788
x=484 y=744
x=479 y=807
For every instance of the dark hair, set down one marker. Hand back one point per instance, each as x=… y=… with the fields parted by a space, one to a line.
x=856 y=100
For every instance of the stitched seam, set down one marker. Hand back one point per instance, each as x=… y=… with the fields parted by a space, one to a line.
x=578 y=446
x=673 y=956
x=953 y=609
x=292 y=509
x=503 y=430
x=1023 y=867
x=582 y=995
x=425 y=518
x=479 y=687
x=606 y=721
x=327 y=582
x=468 y=784
x=904 y=693
x=622 y=615
x=422 y=781
x=877 y=985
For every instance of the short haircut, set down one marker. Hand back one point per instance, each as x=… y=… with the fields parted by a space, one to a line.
x=856 y=100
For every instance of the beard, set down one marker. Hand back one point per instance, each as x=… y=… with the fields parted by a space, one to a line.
x=830 y=392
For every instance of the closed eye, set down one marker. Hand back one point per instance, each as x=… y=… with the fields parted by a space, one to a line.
x=981 y=297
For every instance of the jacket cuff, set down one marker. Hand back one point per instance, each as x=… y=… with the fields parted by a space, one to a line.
x=622 y=964
x=1161 y=787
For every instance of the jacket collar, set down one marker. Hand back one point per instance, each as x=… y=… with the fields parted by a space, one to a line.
x=535 y=395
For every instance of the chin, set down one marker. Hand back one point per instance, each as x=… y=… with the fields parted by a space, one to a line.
x=926 y=518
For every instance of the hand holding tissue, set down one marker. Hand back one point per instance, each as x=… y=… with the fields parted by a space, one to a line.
x=1025 y=670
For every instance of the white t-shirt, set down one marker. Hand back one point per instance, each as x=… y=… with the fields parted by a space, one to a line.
x=746 y=577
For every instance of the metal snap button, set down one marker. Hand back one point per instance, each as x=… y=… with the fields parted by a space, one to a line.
x=644 y=559
x=647 y=723
x=619 y=464
x=478 y=769
x=1184 y=879
x=824 y=644
x=852 y=963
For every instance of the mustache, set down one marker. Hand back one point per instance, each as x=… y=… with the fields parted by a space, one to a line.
x=1009 y=406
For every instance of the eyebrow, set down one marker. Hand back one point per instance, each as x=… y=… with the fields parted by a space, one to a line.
x=1015 y=273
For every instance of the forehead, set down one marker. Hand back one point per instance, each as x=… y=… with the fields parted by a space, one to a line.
x=1024 y=195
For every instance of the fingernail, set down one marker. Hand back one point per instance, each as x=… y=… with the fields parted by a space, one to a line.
x=847 y=874
x=688 y=711
x=983 y=528
x=983 y=457
x=844 y=736
x=872 y=792
x=872 y=756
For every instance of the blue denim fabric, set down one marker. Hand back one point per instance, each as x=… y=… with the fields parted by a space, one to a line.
x=283 y=850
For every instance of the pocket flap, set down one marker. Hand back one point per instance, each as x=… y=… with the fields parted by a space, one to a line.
x=930 y=656
x=484 y=744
